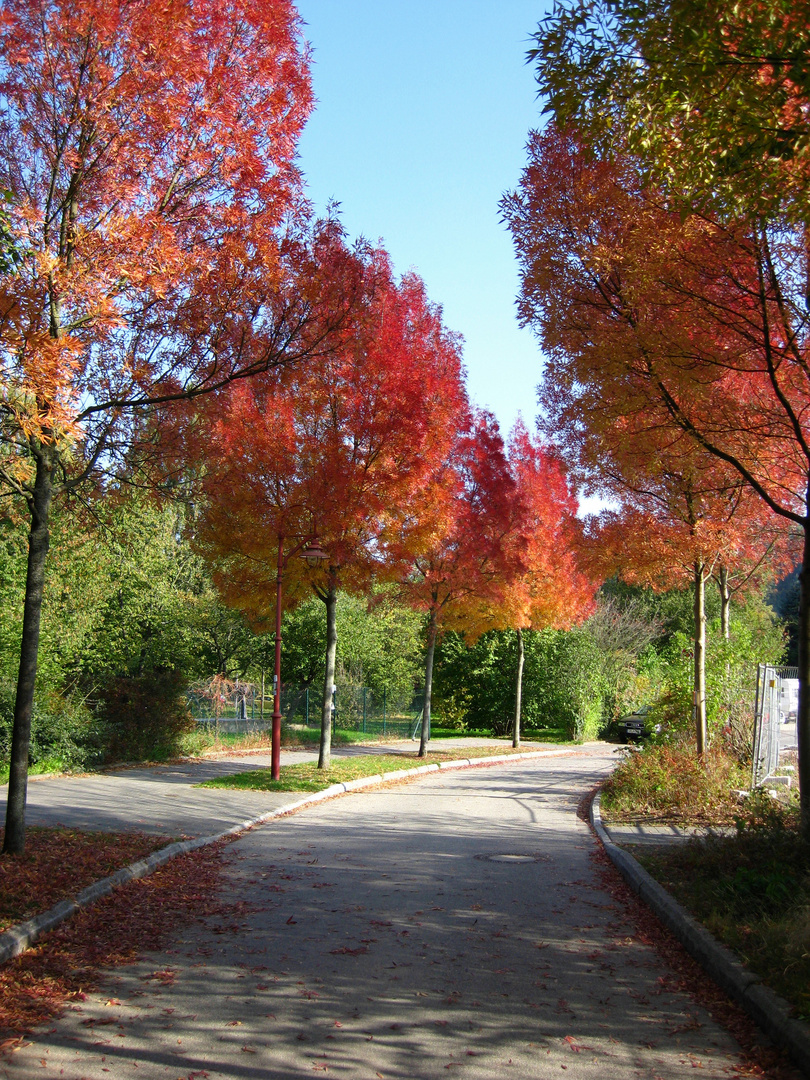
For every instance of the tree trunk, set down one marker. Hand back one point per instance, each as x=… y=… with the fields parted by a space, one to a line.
x=725 y=603
x=699 y=708
x=431 y=649
x=38 y=543
x=518 y=689
x=803 y=711
x=329 y=598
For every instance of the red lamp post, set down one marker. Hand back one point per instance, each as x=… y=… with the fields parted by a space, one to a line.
x=310 y=550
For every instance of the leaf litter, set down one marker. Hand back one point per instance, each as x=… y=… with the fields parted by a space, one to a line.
x=59 y=862
x=135 y=918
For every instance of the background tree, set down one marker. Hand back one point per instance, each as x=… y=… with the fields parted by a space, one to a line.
x=539 y=582
x=449 y=547
x=150 y=161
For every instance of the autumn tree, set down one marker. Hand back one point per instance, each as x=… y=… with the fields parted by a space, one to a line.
x=710 y=97
x=449 y=547
x=709 y=102
x=340 y=447
x=684 y=319
x=539 y=582
x=149 y=153
x=679 y=525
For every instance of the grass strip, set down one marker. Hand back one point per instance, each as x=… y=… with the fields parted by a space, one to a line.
x=306 y=776
x=60 y=862
x=752 y=892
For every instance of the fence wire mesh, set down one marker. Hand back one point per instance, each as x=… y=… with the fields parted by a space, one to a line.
x=239 y=706
x=774 y=718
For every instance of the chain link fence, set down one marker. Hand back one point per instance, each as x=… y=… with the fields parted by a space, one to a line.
x=236 y=706
x=355 y=708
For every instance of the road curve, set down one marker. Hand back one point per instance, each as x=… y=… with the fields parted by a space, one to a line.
x=456 y=924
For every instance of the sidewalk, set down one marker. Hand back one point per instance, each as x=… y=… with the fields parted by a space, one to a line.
x=163 y=799
x=656 y=834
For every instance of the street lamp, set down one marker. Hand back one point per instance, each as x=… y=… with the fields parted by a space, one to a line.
x=313 y=553
x=308 y=549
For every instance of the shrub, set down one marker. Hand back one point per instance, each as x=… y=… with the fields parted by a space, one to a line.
x=752 y=891
x=145 y=716
x=670 y=782
x=64 y=734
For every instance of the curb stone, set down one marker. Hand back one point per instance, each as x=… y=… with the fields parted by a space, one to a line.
x=22 y=936
x=770 y=1011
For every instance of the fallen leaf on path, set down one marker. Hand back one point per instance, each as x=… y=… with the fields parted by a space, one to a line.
x=166 y=977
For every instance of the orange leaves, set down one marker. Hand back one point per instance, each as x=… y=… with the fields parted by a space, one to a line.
x=151 y=160
x=450 y=547
x=661 y=330
x=544 y=584
x=39 y=390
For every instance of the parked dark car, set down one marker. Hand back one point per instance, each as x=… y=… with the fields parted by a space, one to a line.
x=636 y=725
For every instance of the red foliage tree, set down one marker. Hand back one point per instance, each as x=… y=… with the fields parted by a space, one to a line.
x=149 y=163
x=542 y=584
x=451 y=547
x=679 y=525
x=341 y=445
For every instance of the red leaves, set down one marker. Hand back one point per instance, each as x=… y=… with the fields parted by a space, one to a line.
x=165 y=978
x=159 y=193
x=343 y=443
x=59 y=862
x=543 y=583
x=135 y=918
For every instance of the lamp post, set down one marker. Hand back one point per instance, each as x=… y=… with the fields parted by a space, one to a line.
x=310 y=550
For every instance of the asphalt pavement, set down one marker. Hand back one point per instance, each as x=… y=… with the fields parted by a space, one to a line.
x=165 y=799
x=455 y=923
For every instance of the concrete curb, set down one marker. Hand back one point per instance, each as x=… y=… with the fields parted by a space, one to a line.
x=22 y=936
x=770 y=1011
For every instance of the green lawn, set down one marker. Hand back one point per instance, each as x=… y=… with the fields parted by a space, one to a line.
x=307 y=777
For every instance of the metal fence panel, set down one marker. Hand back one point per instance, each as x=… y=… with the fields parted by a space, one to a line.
x=776 y=698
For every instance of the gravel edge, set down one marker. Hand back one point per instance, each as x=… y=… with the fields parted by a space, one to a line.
x=22 y=936
x=770 y=1011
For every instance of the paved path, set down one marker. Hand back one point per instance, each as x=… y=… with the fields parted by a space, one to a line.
x=457 y=924
x=655 y=835
x=163 y=799
x=160 y=799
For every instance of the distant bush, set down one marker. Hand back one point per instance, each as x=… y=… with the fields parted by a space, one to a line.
x=145 y=716
x=64 y=733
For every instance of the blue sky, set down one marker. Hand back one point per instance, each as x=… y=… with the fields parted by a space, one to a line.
x=424 y=107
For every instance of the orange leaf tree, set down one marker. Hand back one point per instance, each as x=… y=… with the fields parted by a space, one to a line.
x=680 y=525
x=150 y=164
x=451 y=546
x=542 y=583
x=657 y=323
